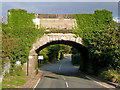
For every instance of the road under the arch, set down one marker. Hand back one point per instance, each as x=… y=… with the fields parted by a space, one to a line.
x=63 y=74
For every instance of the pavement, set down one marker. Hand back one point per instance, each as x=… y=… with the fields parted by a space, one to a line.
x=63 y=74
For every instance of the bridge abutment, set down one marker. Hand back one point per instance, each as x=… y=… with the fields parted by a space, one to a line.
x=33 y=65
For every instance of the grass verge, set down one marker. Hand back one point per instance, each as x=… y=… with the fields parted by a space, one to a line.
x=14 y=79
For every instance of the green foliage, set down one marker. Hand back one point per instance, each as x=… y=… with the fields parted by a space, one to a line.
x=6 y=74
x=11 y=72
x=18 y=18
x=22 y=31
x=101 y=36
x=44 y=52
x=110 y=75
x=103 y=17
x=54 y=52
x=19 y=71
x=60 y=54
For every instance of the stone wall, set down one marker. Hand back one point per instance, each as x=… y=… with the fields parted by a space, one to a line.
x=57 y=21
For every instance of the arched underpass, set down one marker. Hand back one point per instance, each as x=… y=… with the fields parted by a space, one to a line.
x=82 y=50
x=51 y=39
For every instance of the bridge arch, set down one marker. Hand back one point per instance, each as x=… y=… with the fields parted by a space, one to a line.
x=56 y=38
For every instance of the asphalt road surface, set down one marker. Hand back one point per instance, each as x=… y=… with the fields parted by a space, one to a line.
x=63 y=74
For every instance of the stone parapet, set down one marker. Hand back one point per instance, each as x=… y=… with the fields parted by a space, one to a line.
x=60 y=16
x=56 y=21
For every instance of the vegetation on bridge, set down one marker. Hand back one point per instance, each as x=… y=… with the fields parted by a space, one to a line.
x=19 y=35
x=101 y=36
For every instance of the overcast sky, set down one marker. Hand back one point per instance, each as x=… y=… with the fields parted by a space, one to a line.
x=60 y=0
x=59 y=6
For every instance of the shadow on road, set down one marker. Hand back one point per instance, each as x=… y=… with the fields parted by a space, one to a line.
x=63 y=67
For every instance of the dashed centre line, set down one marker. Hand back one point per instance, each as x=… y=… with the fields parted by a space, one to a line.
x=66 y=83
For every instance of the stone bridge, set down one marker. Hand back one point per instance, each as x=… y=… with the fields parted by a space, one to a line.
x=51 y=39
x=55 y=21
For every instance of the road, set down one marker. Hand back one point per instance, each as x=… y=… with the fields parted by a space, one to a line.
x=63 y=74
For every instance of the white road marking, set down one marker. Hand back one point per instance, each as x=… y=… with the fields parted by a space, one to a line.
x=97 y=82
x=66 y=84
x=36 y=83
x=61 y=65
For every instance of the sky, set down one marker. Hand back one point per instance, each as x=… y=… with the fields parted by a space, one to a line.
x=59 y=6
x=60 y=0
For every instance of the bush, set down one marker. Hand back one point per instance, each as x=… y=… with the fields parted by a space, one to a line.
x=110 y=75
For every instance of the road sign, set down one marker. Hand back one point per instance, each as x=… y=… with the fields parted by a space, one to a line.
x=40 y=57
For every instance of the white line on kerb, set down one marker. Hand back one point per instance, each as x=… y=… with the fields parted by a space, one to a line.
x=66 y=84
x=97 y=82
x=36 y=84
